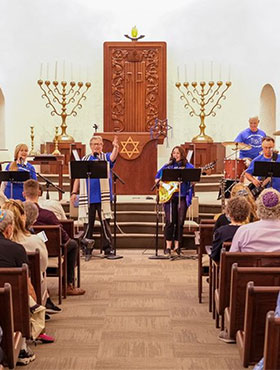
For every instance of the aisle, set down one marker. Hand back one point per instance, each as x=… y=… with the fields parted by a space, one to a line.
x=137 y=314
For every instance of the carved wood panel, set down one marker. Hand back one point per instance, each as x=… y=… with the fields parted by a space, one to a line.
x=134 y=85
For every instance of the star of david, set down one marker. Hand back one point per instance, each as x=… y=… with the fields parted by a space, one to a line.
x=160 y=127
x=130 y=143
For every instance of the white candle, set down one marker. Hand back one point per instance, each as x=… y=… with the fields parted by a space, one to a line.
x=71 y=72
x=41 y=70
x=211 y=70
x=55 y=72
x=79 y=73
x=178 y=76
x=229 y=72
x=47 y=71
x=186 y=73
x=64 y=70
x=220 y=72
x=87 y=74
x=202 y=68
x=195 y=72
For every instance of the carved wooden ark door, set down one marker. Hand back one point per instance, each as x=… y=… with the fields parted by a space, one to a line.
x=134 y=85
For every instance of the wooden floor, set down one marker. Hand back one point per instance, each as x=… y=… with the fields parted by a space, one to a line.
x=137 y=313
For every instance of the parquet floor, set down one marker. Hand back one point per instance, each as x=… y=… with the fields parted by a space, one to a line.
x=139 y=314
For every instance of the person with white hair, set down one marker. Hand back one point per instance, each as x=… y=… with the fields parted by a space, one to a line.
x=252 y=136
x=262 y=235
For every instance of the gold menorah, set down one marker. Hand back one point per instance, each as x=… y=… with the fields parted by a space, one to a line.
x=66 y=97
x=206 y=96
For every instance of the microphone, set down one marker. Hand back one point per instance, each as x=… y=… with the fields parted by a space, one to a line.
x=96 y=155
x=171 y=162
x=21 y=161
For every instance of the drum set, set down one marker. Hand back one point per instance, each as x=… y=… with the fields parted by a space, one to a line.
x=234 y=169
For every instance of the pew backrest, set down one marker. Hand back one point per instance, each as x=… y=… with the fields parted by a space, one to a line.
x=272 y=342
x=265 y=259
x=17 y=277
x=261 y=276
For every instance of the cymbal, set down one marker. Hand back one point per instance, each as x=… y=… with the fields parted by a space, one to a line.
x=237 y=146
x=276 y=133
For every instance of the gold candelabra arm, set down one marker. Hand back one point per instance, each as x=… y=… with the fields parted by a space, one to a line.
x=45 y=95
x=222 y=96
x=83 y=97
x=189 y=92
x=215 y=92
x=77 y=92
x=187 y=105
x=63 y=93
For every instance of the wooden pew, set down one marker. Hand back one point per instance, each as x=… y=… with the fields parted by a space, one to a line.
x=261 y=276
x=250 y=340
x=35 y=275
x=56 y=249
x=206 y=238
x=272 y=342
x=11 y=341
x=247 y=259
x=17 y=277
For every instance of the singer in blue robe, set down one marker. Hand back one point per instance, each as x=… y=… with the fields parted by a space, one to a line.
x=19 y=164
x=175 y=212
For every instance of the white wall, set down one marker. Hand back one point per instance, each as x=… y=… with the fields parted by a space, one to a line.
x=242 y=34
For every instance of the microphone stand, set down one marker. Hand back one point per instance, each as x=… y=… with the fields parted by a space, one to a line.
x=115 y=178
x=156 y=256
x=48 y=182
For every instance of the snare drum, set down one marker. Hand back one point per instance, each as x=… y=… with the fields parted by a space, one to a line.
x=234 y=168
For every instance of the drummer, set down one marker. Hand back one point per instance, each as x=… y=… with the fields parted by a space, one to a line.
x=251 y=136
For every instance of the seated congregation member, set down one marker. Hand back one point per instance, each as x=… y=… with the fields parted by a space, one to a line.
x=31 y=214
x=19 y=164
x=46 y=217
x=173 y=229
x=14 y=255
x=262 y=235
x=2 y=197
x=238 y=190
x=238 y=210
x=52 y=205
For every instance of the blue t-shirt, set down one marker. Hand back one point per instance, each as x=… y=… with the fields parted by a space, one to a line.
x=251 y=138
x=275 y=180
x=95 y=192
x=186 y=188
x=18 y=186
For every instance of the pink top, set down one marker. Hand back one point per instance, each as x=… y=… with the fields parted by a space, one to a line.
x=259 y=236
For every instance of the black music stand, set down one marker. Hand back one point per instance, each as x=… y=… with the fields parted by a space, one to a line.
x=266 y=169
x=181 y=175
x=14 y=176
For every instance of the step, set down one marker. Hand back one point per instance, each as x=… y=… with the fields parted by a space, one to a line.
x=144 y=241
x=216 y=177
x=205 y=187
x=148 y=228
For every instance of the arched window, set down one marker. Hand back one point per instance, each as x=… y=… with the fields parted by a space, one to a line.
x=268 y=109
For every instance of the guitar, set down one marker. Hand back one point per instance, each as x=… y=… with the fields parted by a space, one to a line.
x=168 y=188
x=256 y=190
